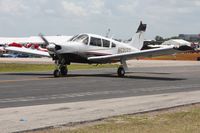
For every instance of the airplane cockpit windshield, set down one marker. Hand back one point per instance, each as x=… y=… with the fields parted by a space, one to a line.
x=73 y=38
x=80 y=38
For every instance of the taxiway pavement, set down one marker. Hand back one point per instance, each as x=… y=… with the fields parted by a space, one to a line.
x=32 y=100
x=38 y=88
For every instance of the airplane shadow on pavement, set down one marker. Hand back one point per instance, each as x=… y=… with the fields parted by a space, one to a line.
x=127 y=77
x=140 y=75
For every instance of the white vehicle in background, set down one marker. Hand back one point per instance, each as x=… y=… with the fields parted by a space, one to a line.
x=95 y=49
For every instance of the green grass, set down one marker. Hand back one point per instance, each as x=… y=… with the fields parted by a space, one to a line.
x=12 y=67
x=185 y=121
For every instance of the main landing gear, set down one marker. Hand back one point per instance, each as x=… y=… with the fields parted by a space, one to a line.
x=122 y=69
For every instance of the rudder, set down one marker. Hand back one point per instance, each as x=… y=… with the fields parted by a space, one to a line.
x=138 y=40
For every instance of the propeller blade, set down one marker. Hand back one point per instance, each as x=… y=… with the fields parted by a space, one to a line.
x=44 y=39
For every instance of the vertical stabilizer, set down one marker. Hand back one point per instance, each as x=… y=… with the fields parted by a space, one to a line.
x=138 y=40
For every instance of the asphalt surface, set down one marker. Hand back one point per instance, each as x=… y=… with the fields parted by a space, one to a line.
x=27 y=89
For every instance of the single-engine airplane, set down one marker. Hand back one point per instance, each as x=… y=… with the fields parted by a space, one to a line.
x=95 y=49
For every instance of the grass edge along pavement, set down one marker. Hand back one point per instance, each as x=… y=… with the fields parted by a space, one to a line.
x=184 y=119
x=15 y=67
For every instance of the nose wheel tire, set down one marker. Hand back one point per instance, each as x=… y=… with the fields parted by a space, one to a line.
x=56 y=73
x=63 y=71
x=121 y=72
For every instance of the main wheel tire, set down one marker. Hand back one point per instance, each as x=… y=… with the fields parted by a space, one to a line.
x=63 y=71
x=56 y=73
x=121 y=72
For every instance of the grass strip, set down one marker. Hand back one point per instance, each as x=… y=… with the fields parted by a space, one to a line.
x=178 y=121
x=14 y=67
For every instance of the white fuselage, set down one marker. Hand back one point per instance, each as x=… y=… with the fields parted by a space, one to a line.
x=90 y=45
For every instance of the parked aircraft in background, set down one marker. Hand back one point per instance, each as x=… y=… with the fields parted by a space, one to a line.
x=172 y=42
x=2 y=48
x=33 y=44
x=95 y=49
x=33 y=40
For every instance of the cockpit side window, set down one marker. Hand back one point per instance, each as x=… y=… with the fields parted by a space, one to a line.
x=95 y=41
x=113 y=45
x=85 y=41
x=106 y=43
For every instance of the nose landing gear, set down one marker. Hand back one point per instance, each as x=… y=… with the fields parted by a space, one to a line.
x=61 y=70
x=56 y=73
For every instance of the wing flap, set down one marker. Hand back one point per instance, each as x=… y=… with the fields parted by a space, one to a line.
x=28 y=51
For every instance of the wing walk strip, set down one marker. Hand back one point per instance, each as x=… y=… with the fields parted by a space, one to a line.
x=73 y=95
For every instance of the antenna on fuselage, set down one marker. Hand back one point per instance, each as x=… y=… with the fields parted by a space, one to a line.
x=108 y=33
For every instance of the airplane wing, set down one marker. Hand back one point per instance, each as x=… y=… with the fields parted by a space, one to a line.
x=28 y=51
x=139 y=54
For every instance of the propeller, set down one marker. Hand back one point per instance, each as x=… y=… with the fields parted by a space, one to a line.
x=52 y=47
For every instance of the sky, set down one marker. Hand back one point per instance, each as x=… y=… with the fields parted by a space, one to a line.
x=69 y=17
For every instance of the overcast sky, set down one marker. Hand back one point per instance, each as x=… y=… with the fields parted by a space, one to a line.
x=68 y=17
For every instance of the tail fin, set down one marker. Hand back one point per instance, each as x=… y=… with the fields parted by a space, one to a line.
x=138 y=39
